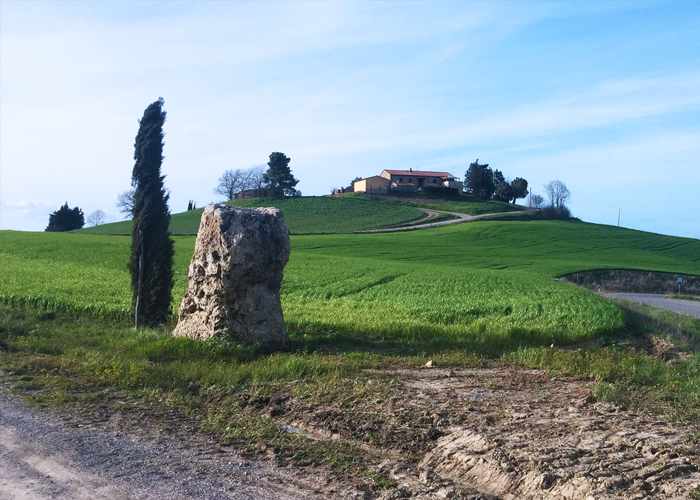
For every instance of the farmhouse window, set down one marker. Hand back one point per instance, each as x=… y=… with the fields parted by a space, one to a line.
x=400 y=179
x=434 y=180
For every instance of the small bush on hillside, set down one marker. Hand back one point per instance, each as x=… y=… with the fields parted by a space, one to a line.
x=555 y=213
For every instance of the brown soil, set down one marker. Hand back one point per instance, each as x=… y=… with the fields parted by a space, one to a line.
x=517 y=434
x=491 y=432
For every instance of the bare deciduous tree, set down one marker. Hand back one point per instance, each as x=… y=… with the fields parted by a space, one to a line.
x=558 y=193
x=96 y=218
x=535 y=201
x=125 y=203
x=255 y=176
x=235 y=181
x=230 y=183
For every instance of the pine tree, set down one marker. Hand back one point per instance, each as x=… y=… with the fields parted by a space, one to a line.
x=279 y=176
x=66 y=219
x=151 y=247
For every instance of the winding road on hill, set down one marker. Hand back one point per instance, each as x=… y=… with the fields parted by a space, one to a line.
x=432 y=214
x=658 y=300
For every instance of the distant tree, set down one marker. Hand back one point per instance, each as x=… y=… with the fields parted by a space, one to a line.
x=351 y=187
x=96 y=218
x=503 y=192
x=230 y=183
x=279 y=177
x=235 y=181
x=65 y=219
x=151 y=264
x=125 y=203
x=535 y=201
x=497 y=177
x=255 y=178
x=558 y=193
x=519 y=186
x=191 y=205
x=478 y=180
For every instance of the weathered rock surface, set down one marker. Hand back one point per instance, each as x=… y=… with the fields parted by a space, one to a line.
x=235 y=276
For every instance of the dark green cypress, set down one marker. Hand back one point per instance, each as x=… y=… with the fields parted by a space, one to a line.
x=151 y=221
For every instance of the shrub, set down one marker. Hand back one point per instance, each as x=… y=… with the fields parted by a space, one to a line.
x=555 y=213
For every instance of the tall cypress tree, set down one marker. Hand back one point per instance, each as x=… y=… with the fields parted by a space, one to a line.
x=151 y=246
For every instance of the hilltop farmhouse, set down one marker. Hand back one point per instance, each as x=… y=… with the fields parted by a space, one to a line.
x=406 y=181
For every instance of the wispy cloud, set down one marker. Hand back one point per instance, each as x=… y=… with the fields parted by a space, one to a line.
x=344 y=88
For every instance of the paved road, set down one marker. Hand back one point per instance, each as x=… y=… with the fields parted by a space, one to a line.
x=675 y=305
x=431 y=215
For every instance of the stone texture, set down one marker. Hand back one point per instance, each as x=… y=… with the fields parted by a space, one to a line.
x=235 y=276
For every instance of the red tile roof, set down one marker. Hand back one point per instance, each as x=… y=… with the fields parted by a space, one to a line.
x=418 y=173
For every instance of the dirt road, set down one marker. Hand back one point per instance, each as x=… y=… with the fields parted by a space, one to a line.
x=51 y=454
x=657 y=300
x=432 y=214
x=493 y=433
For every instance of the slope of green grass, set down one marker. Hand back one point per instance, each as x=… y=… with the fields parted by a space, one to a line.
x=548 y=247
x=75 y=273
x=365 y=298
x=303 y=215
x=477 y=283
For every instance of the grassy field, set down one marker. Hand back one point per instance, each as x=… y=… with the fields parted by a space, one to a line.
x=553 y=248
x=303 y=215
x=331 y=215
x=355 y=304
x=478 y=284
x=371 y=298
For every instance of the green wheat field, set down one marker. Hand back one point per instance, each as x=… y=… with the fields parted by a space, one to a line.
x=480 y=284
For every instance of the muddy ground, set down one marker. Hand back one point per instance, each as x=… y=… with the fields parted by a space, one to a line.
x=491 y=432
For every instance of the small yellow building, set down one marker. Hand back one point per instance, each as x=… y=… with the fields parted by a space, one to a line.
x=372 y=185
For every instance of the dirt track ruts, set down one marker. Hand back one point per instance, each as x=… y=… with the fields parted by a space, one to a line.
x=431 y=215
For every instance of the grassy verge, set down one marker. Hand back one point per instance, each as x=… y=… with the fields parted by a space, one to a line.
x=654 y=365
x=685 y=297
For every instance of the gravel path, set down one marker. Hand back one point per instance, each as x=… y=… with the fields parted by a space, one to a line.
x=656 y=300
x=431 y=215
x=46 y=454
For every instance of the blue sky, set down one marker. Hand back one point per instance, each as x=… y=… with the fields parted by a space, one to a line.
x=604 y=96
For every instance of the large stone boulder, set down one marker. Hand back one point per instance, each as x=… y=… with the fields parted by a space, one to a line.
x=235 y=276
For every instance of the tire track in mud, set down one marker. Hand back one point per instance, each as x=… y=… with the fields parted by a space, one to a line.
x=517 y=434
